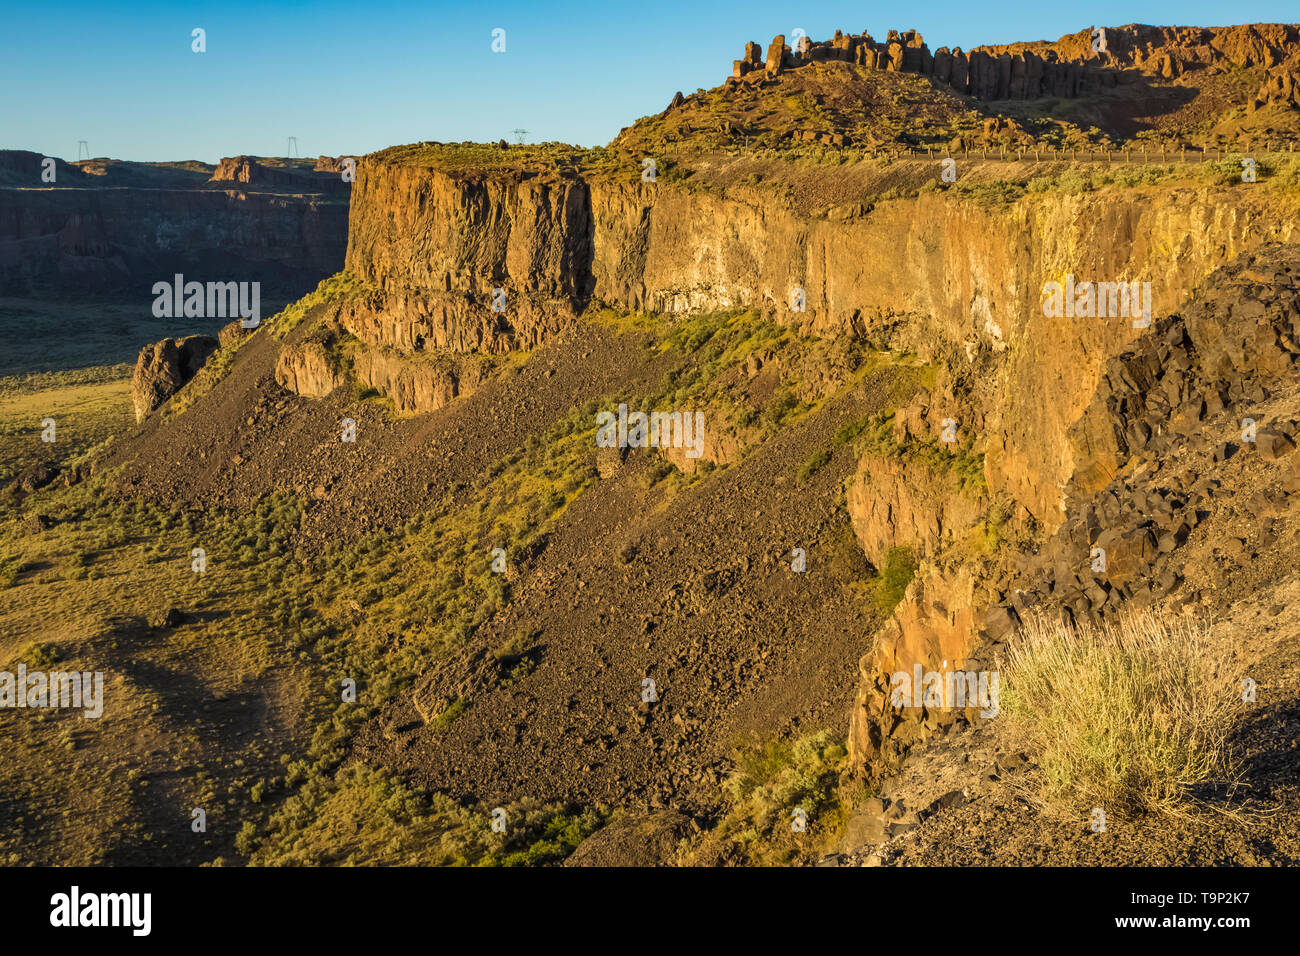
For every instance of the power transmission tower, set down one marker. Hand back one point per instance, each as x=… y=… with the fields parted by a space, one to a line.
x=81 y=144
x=291 y=148
x=519 y=135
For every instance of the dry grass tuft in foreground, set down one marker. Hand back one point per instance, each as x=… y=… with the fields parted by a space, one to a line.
x=1130 y=716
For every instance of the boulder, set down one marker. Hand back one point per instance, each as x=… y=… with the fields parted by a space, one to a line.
x=1272 y=444
x=165 y=367
x=642 y=840
x=307 y=369
x=231 y=334
x=37 y=476
x=166 y=618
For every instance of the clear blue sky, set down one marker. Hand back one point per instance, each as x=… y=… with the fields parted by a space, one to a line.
x=352 y=77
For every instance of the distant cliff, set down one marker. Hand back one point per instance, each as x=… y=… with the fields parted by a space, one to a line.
x=104 y=225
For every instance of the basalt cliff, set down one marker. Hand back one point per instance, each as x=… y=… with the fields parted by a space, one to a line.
x=978 y=339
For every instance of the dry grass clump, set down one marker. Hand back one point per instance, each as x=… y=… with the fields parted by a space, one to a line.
x=1129 y=716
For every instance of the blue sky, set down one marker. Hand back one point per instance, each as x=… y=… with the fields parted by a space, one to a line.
x=352 y=77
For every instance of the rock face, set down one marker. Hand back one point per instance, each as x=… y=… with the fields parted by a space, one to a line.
x=986 y=75
x=1163 y=405
x=315 y=365
x=936 y=626
x=1235 y=340
x=1281 y=90
x=307 y=368
x=900 y=502
x=422 y=385
x=753 y=60
x=163 y=369
x=776 y=52
x=434 y=244
x=232 y=333
x=467 y=263
x=716 y=446
x=323 y=178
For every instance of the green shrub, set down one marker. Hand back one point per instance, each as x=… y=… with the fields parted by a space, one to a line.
x=448 y=716
x=783 y=407
x=770 y=783
x=1128 y=716
x=9 y=570
x=849 y=432
x=41 y=655
x=891 y=584
x=815 y=463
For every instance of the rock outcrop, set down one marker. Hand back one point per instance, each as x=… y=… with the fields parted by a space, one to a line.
x=936 y=626
x=418 y=384
x=1280 y=90
x=777 y=52
x=1076 y=65
x=485 y=263
x=908 y=503
x=323 y=178
x=163 y=369
x=985 y=75
x=308 y=368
